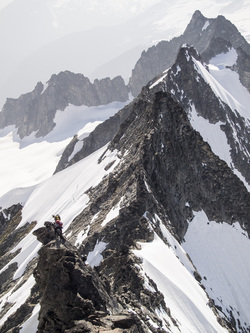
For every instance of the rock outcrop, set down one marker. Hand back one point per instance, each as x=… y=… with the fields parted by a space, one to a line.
x=74 y=298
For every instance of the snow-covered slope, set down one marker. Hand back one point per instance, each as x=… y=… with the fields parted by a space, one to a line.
x=31 y=160
x=220 y=253
x=64 y=192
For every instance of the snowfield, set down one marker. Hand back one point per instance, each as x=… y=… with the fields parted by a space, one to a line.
x=29 y=161
x=220 y=253
x=183 y=295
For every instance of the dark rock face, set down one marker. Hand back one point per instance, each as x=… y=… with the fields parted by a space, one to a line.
x=207 y=41
x=63 y=279
x=243 y=67
x=181 y=81
x=179 y=176
x=35 y=111
x=9 y=235
x=73 y=297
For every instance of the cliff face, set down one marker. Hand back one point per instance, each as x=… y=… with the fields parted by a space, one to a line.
x=35 y=111
x=185 y=74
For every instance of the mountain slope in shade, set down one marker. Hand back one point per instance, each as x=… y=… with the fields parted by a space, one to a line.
x=220 y=115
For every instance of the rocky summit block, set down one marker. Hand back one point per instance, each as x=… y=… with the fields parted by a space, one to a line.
x=73 y=296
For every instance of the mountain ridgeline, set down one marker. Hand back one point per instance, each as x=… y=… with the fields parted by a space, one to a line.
x=163 y=172
x=35 y=111
x=157 y=177
x=208 y=36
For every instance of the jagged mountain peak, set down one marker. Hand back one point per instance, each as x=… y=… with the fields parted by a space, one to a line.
x=194 y=85
x=197 y=23
x=202 y=33
x=35 y=112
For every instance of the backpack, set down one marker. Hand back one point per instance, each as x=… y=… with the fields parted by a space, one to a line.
x=59 y=223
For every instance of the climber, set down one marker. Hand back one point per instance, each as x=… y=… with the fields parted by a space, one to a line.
x=58 y=226
x=56 y=217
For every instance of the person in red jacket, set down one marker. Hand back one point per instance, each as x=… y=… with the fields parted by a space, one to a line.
x=58 y=226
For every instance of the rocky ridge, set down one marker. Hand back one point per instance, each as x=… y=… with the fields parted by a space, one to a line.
x=219 y=38
x=181 y=81
x=154 y=172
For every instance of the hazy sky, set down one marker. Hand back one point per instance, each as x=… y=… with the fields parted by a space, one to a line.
x=4 y=3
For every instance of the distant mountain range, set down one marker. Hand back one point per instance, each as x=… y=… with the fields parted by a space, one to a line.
x=53 y=36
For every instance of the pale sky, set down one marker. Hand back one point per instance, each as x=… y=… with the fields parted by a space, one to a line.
x=4 y=3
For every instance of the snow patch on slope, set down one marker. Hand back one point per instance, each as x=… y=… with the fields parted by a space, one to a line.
x=95 y=257
x=113 y=213
x=16 y=297
x=30 y=325
x=182 y=293
x=236 y=97
x=225 y=268
x=213 y=134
